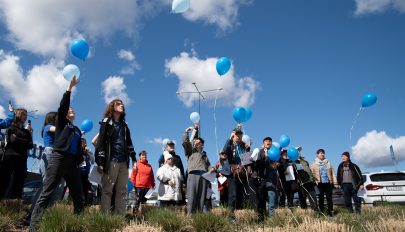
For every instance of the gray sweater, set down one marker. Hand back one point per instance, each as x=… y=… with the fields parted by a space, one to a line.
x=196 y=161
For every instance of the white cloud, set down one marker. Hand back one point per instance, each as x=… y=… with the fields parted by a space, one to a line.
x=157 y=141
x=378 y=6
x=114 y=87
x=3 y=113
x=40 y=89
x=189 y=68
x=222 y=13
x=126 y=55
x=133 y=65
x=47 y=27
x=372 y=150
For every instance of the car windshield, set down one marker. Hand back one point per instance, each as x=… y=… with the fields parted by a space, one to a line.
x=388 y=177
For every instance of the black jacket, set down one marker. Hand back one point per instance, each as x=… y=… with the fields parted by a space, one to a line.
x=103 y=156
x=356 y=175
x=65 y=130
x=230 y=150
x=19 y=141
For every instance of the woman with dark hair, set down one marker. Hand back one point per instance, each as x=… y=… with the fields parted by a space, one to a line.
x=19 y=141
x=48 y=135
x=115 y=148
x=64 y=161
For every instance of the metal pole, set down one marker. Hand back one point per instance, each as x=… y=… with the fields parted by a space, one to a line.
x=199 y=101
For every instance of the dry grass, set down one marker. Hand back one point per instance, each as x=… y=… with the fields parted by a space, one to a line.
x=136 y=226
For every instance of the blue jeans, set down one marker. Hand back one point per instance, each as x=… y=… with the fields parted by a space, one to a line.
x=273 y=201
x=350 y=192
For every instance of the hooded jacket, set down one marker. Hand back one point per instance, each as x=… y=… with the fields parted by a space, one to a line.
x=104 y=146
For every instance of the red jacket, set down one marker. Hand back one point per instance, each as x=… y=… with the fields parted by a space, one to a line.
x=143 y=177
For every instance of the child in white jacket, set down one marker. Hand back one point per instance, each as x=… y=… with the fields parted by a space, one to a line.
x=169 y=192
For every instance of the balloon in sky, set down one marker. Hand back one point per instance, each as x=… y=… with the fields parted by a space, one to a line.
x=80 y=49
x=223 y=65
x=165 y=141
x=195 y=117
x=292 y=153
x=71 y=70
x=86 y=125
x=274 y=153
x=276 y=144
x=180 y=6
x=284 y=141
x=368 y=99
x=248 y=115
x=239 y=114
x=246 y=139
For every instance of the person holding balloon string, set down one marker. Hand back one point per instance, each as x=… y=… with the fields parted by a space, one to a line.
x=64 y=162
x=287 y=179
x=237 y=184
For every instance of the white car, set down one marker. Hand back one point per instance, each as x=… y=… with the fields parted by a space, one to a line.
x=384 y=187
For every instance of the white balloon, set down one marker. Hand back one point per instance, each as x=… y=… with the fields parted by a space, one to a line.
x=165 y=141
x=276 y=144
x=195 y=117
x=71 y=70
x=246 y=139
x=180 y=6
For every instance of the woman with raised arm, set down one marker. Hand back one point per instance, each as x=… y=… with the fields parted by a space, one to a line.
x=65 y=160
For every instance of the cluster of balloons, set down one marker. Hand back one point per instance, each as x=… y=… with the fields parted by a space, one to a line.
x=223 y=65
x=241 y=114
x=274 y=152
x=86 y=125
x=195 y=117
x=368 y=99
x=180 y=6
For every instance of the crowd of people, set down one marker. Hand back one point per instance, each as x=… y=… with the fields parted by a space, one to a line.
x=66 y=160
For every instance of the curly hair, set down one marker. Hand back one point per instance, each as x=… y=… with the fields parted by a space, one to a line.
x=18 y=116
x=109 y=110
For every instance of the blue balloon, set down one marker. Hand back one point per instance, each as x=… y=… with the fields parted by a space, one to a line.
x=80 y=49
x=368 y=99
x=284 y=141
x=239 y=114
x=292 y=153
x=273 y=153
x=223 y=65
x=276 y=144
x=248 y=115
x=86 y=125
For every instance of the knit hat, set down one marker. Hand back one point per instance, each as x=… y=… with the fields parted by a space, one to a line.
x=167 y=155
x=347 y=154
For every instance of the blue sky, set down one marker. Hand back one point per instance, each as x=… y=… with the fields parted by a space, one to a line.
x=300 y=66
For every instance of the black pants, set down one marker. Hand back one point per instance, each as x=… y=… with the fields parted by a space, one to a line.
x=308 y=190
x=236 y=191
x=325 y=189
x=60 y=165
x=140 y=197
x=86 y=186
x=261 y=199
x=168 y=203
x=287 y=192
x=16 y=166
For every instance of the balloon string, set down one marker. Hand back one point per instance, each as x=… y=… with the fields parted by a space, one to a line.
x=354 y=123
x=215 y=123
